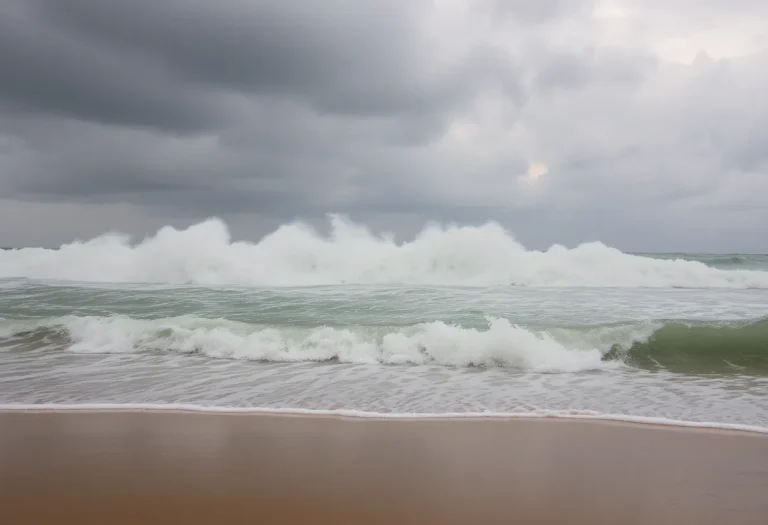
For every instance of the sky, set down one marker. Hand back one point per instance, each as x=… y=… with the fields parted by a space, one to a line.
x=638 y=123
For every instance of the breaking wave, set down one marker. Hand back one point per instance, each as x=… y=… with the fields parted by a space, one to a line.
x=296 y=255
x=502 y=344
x=733 y=347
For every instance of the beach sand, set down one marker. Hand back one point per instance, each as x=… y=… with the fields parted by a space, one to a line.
x=152 y=467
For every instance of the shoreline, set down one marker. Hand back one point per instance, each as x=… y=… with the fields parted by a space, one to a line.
x=159 y=466
x=568 y=415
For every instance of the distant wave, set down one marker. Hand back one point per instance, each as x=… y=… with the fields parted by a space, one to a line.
x=296 y=255
x=746 y=261
x=733 y=347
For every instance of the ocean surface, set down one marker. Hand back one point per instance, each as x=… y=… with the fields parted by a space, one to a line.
x=456 y=320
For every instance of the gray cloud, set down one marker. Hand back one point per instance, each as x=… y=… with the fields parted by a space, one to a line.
x=576 y=70
x=342 y=56
x=49 y=71
x=395 y=112
x=542 y=11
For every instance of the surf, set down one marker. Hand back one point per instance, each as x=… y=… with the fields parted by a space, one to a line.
x=297 y=255
x=733 y=347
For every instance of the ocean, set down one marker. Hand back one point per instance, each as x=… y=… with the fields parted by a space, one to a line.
x=458 y=320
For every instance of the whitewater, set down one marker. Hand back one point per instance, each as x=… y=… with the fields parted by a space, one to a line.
x=297 y=255
x=456 y=320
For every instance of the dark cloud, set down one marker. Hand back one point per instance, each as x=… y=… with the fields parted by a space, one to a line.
x=394 y=111
x=342 y=56
x=290 y=93
x=49 y=71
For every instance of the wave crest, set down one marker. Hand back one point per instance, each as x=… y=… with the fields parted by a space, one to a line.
x=502 y=344
x=715 y=347
x=296 y=255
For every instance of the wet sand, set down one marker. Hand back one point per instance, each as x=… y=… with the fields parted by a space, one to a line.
x=174 y=467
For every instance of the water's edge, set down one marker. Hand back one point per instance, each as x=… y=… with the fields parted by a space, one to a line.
x=359 y=414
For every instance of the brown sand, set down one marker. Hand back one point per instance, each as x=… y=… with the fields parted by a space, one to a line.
x=173 y=467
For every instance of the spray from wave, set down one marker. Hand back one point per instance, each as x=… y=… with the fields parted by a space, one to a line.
x=296 y=255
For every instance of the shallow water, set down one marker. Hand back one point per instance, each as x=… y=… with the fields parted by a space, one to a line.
x=686 y=354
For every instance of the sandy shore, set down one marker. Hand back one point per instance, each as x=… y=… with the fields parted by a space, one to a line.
x=166 y=467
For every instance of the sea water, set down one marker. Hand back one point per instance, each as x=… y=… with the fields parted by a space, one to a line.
x=459 y=320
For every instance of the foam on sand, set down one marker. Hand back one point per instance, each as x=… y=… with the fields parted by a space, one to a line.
x=587 y=415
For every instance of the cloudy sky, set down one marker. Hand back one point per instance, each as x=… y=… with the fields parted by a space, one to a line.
x=641 y=123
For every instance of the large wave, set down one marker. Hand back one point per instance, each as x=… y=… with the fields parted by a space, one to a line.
x=734 y=347
x=296 y=255
x=502 y=344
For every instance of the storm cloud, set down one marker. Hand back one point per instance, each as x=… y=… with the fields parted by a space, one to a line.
x=640 y=124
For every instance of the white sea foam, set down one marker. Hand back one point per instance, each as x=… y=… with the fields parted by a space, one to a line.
x=588 y=415
x=501 y=344
x=296 y=255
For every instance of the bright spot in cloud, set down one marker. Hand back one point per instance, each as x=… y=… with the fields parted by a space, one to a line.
x=461 y=131
x=535 y=171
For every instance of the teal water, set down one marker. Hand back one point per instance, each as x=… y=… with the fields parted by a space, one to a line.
x=725 y=261
x=458 y=319
x=691 y=354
